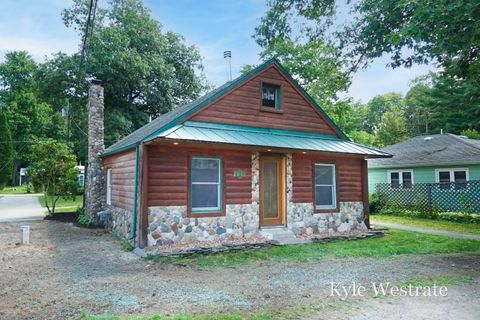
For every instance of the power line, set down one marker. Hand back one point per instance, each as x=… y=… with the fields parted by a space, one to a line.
x=85 y=36
x=92 y=10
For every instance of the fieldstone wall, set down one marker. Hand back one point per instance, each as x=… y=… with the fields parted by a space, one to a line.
x=170 y=224
x=302 y=219
x=95 y=181
x=119 y=221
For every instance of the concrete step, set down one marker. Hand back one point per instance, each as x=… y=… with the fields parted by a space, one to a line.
x=282 y=236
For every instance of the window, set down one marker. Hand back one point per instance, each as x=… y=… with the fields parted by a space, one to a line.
x=205 y=188
x=325 y=189
x=400 y=178
x=271 y=96
x=459 y=176
x=109 y=186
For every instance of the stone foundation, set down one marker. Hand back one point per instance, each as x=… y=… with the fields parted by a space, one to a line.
x=170 y=224
x=302 y=220
x=119 y=221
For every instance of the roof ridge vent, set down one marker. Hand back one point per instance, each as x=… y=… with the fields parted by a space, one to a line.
x=427 y=138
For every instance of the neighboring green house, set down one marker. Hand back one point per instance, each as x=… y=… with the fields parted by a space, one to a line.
x=438 y=158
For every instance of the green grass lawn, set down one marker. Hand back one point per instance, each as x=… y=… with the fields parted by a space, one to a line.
x=64 y=205
x=16 y=190
x=427 y=223
x=396 y=243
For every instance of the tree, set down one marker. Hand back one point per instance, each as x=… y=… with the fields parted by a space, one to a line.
x=311 y=64
x=28 y=117
x=471 y=133
x=419 y=31
x=145 y=71
x=6 y=151
x=378 y=106
x=53 y=170
x=392 y=129
x=440 y=32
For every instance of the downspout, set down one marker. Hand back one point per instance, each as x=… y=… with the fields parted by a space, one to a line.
x=134 y=218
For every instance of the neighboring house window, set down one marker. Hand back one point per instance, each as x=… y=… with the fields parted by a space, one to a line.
x=400 y=178
x=325 y=187
x=109 y=186
x=270 y=96
x=459 y=176
x=81 y=179
x=205 y=188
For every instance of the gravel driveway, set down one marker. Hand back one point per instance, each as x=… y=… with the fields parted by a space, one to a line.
x=67 y=269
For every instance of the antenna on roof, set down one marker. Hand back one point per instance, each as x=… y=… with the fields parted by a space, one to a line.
x=227 y=55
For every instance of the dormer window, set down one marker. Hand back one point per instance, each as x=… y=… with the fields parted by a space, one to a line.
x=270 y=96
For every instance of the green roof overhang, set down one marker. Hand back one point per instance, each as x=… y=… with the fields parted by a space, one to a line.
x=263 y=137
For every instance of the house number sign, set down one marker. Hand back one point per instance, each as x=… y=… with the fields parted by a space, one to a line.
x=239 y=174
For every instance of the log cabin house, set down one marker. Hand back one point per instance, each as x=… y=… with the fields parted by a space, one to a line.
x=253 y=154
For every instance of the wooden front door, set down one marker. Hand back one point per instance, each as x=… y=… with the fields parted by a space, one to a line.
x=272 y=191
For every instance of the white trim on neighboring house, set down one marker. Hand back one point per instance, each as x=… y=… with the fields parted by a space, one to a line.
x=109 y=186
x=400 y=176
x=452 y=173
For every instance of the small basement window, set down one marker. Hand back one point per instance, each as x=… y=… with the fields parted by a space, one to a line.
x=325 y=187
x=270 y=96
x=205 y=185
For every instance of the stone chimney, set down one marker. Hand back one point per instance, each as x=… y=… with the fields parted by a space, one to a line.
x=95 y=178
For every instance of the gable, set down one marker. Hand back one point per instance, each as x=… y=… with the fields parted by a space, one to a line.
x=242 y=106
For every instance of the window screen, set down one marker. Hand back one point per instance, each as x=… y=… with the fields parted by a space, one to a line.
x=205 y=189
x=325 y=189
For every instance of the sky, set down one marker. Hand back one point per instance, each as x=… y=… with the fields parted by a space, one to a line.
x=212 y=25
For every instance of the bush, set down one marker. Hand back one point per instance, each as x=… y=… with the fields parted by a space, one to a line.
x=83 y=219
x=434 y=215
x=459 y=217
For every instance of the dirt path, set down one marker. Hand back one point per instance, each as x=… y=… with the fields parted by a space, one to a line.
x=67 y=269
x=429 y=231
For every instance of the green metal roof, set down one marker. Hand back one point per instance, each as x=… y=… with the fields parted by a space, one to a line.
x=263 y=137
x=179 y=114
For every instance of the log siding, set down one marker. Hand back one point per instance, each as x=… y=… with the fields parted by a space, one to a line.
x=242 y=106
x=123 y=179
x=168 y=182
x=348 y=174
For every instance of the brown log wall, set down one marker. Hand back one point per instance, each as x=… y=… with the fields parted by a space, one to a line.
x=123 y=178
x=349 y=177
x=168 y=175
x=242 y=107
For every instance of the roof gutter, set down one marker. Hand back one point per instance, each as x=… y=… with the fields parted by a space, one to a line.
x=134 y=218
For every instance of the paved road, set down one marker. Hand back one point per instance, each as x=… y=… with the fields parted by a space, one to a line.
x=429 y=231
x=20 y=207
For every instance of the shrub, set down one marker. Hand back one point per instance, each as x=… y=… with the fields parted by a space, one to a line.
x=83 y=219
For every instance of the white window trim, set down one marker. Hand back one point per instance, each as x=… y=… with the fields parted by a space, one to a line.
x=219 y=188
x=400 y=176
x=109 y=186
x=334 y=189
x=452 y=173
